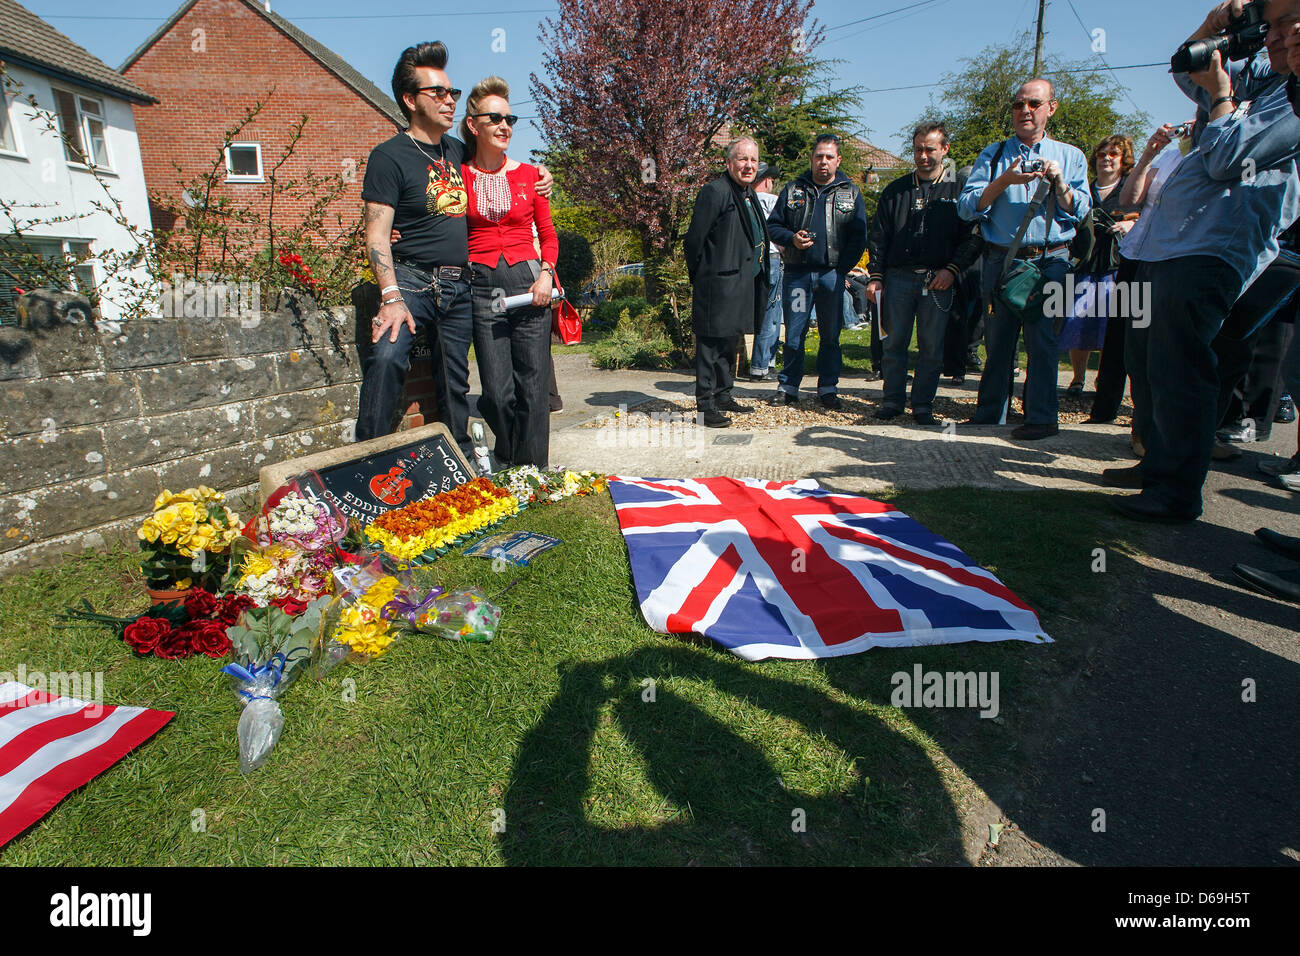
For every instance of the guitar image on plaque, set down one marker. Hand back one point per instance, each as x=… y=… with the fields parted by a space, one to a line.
x=390 y=488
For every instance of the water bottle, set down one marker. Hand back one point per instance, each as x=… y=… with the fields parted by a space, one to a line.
x=481 y=457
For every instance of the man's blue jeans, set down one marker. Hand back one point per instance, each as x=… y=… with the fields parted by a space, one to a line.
x=444 y=309
x=770 y=331
x=902 y=301
x=800 y=292
x=1001 y=330
x=1175 y=373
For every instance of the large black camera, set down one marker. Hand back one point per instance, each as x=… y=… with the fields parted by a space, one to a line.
x=1243 y=38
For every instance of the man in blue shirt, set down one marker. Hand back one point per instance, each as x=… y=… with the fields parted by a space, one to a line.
x=1212 y=232
x=998 y=195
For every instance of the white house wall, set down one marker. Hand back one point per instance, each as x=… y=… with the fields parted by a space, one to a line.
x=43 y=175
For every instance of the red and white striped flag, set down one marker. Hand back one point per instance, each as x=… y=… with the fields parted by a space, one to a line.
x=50 y=746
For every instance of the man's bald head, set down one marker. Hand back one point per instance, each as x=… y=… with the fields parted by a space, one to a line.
x=1031 y=108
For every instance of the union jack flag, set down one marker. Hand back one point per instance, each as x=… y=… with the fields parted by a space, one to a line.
x=788 y=569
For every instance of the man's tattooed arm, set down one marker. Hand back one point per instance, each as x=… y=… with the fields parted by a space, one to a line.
x=379 y=227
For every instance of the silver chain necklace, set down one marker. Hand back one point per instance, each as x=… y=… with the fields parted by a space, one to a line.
x=440 y=160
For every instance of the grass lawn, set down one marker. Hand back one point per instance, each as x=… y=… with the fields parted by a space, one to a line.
x=546 y=732
x=856 y=347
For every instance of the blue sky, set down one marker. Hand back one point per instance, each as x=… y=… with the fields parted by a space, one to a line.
x=904 y=49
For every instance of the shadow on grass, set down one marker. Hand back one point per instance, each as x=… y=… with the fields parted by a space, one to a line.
x=1166 y=705
x=731 y=806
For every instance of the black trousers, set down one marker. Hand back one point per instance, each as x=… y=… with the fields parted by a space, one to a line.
x=1175 y=376
x=1112 y=373
x=713 y=378
x=1250 y=347
x=1250 y=375
x=964 y=331
x=514 y=363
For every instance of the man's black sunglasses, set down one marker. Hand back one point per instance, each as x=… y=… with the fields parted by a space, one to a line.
x=439 y=92
x=494 y=118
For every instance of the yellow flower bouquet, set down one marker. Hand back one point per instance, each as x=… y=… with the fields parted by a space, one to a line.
x=186 y=541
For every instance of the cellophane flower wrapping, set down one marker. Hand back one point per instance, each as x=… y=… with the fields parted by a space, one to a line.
x=355 y=624
x=287 y=552
x=460 y=616
x=271 y=648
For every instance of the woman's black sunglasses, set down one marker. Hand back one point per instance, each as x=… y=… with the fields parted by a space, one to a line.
x=494 y=118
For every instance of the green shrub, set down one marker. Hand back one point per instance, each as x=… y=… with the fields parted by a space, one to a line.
x=627 y=286
x=575 y=261
x=607 y=314
x=636 y=342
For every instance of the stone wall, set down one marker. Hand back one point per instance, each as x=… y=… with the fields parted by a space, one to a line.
x=97 y=420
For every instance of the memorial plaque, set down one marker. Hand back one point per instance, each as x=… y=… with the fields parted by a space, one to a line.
x=370 y=478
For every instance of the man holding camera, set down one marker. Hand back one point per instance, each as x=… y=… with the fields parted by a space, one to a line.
x=1012 y=187
x=1238 y=190
x=820 y=221
x=918 y=248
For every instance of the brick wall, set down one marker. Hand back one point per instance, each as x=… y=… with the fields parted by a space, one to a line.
x=202 y=94
x=97 y=421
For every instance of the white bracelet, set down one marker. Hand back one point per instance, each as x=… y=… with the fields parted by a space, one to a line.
x=386 y=289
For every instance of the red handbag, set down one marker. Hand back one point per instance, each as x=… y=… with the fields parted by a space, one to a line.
x=565 y=322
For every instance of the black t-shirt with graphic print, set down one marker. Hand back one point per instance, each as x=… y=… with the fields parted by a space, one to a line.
x=423 y=184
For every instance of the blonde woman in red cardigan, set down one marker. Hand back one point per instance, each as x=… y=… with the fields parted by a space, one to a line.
x=513 y=346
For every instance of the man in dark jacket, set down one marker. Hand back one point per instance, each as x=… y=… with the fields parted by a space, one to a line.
x=727 y=256
x=820 y=222
x=919 y=248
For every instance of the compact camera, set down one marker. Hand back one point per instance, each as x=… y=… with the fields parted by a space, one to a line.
x=1182 y=131
x=1033 y=166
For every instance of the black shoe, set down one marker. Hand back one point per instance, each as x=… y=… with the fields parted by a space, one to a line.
x=1075 y=390
x=1280 y=584
x=925 y=418
x=1034 y=432
x=1282 y=544
x=1130 y=477
x=885 y=414
x=1222 y=451
x=959 y=378
x=557 y=407
x=731 y=405
x=1275 y=467
x=1240 y=431
x=831 y=403
x=714 y=418
x=785 y=398
x=1285 y=411
x=1095 y=419
x=1145 y=508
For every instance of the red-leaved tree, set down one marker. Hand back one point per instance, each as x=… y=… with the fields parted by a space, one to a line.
x=636 y=91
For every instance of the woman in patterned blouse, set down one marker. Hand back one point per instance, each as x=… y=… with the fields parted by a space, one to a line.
x=512 y=346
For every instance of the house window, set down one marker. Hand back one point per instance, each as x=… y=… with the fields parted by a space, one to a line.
x=29 y=263
x=81 y=121
x=8 y=143
x=244 y=163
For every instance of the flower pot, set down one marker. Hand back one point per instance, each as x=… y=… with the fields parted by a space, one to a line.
x=166 y=596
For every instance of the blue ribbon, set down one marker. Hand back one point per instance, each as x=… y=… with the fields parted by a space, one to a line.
x=254 y=673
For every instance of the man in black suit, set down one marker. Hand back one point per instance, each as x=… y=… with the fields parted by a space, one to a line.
x=727 y=256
